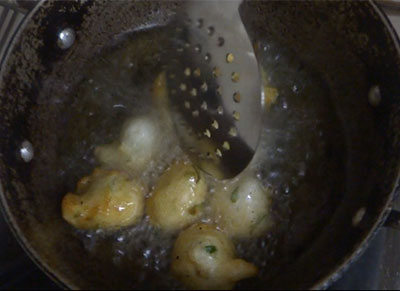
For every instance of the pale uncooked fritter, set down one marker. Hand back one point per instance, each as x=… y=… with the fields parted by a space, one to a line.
x=242 y=208
x=105 y=199
x=144 y=138
x=140 y=143
x=177 y=198
x=204 y=258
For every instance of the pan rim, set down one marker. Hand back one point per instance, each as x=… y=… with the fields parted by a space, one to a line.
x=57 y=278
x=323 y=283
x=336 y=274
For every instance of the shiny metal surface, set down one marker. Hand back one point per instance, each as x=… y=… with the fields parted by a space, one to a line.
x=26 y=151
x=10 y=18
x=66 y=38
x=215 y=84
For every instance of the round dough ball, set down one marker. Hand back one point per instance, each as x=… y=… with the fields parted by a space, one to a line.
x=204 y=258
x=140 y=140
x=105 y=199
x=242 y=208
x=140 y=143
x=143 y=139
x=177 y=197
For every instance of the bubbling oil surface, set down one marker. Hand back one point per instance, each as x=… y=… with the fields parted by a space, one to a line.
x=298 y=159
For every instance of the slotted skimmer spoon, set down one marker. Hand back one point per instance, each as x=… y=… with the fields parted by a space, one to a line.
x=215 y=87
